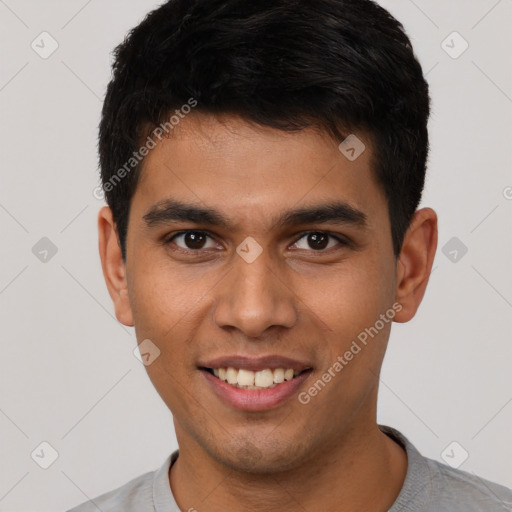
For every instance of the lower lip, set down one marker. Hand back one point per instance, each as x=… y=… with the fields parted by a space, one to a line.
x=255 y=399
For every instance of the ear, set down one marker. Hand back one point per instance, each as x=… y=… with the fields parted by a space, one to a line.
x=114 y=268
x=415 y=263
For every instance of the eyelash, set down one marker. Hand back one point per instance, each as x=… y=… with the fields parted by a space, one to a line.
x=342 y=240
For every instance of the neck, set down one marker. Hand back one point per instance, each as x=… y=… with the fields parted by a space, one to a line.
x=363 y=471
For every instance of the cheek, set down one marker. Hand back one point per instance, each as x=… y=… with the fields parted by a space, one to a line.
x=160 y=313
x=164 y=313
x=350 y=300
x=161 y=296
x=350 y=296
x=173 y=385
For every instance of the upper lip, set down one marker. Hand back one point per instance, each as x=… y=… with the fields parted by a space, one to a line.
x=255 y=363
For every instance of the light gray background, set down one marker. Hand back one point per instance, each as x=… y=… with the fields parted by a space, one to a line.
x=68 y=375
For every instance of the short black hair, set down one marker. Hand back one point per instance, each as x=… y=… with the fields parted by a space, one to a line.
x=339 y=65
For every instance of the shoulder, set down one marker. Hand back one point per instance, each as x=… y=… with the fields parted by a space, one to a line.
x=134 y=496
x=455 y=489
x=431 y=486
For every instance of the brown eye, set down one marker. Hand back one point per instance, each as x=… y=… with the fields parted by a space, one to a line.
x=192 y=240
x=318 y=240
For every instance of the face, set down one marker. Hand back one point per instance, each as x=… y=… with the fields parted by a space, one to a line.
x=256 y=249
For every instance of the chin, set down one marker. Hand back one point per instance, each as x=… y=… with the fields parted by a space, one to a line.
x=250 y=456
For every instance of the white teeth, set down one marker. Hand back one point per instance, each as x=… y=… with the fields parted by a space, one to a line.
x=278 y=375
x=288 y=374
x=261 y=379
x=231 y=375
x=245 y=377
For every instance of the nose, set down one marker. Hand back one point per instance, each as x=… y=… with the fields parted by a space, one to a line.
x=253 y=297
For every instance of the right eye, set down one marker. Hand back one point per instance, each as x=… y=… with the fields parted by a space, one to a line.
x=191 y=240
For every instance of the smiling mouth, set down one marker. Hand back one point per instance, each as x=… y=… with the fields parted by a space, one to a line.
x=255 y=380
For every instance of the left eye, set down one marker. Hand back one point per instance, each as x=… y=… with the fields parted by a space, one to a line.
x=318 y=240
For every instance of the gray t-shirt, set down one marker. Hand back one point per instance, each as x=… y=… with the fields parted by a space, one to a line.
x=429 y=486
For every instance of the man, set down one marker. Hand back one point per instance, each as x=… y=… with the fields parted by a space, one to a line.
x=263 y=162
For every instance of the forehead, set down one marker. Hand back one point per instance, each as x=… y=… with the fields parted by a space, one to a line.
x=248 y=171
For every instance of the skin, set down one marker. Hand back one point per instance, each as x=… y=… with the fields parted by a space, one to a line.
x=294 y=300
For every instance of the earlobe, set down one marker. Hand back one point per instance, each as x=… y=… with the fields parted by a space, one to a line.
x=415 y=263
x=113 y=266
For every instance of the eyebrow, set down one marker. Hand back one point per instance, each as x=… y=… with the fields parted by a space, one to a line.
x=337 y=212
